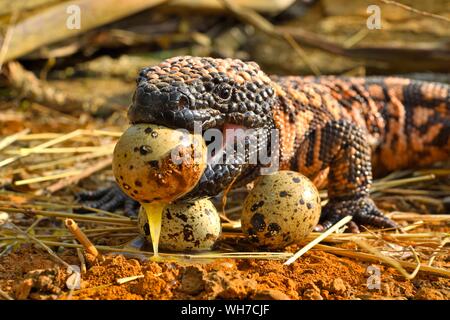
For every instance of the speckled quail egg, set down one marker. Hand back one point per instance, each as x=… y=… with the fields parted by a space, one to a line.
x=186 y=226
x=282 y=208
x=153 y=163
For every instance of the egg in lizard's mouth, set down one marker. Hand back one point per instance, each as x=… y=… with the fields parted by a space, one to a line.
x=224 y=125
x=222 y=137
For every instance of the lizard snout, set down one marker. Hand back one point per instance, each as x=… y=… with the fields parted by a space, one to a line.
x=156 y=105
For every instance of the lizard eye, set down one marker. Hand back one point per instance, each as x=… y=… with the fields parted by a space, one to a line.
x=224 y=91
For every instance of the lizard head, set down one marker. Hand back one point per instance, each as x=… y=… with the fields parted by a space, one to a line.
x=219 y=94
x=214 y=92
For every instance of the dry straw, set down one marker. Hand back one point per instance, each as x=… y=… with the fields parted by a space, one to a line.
x=89 y=247
x=317 y=240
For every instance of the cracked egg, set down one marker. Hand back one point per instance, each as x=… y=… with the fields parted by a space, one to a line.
x=185 y=226
x=153 y=163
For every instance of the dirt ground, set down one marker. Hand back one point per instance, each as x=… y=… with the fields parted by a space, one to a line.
x=30 y=273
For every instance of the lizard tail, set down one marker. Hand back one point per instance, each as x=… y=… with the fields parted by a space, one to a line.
x=417 y=117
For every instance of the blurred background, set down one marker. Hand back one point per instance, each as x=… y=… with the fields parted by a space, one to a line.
x=81 y=57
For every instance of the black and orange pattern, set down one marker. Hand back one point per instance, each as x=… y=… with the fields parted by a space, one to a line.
x=337 y=131
x=345 y=129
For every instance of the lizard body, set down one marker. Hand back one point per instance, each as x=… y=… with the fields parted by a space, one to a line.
x=335 y=130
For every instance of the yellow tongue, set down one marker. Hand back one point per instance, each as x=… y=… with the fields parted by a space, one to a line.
x=154 y=215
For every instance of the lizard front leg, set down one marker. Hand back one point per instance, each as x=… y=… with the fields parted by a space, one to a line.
x=341 y=146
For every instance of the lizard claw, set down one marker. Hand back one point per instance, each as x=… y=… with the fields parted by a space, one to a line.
x=108 y=199
x=363 y=210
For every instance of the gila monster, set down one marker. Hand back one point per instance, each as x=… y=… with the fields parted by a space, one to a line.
x=338 y=131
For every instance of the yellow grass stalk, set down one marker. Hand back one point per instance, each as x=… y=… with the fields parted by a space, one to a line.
x=54 y=163
x=412 y=216
x=41 y=146
x=22 y=151
x=12 y=138
x=322 y=236
x=100 y=165
x=89 y=247
x=5 y=295
x=388 y=260
x=65 y=174
x=373 y=258
x=439 y=248
x=382 y=184
x=180 y=256
x=78 y=217
x=128 y=279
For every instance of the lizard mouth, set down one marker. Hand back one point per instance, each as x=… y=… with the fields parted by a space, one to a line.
x=223 y=140
x=227 y=141
x=225 y=135
x=179 y=119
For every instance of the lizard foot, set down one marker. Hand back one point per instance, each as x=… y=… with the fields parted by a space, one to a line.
x=108 y=199
x=363 y=210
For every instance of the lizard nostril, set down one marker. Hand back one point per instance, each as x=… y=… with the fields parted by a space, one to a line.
x=183 y=102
